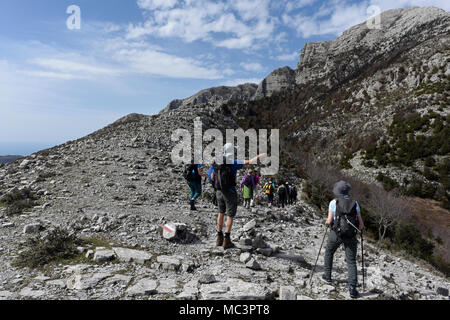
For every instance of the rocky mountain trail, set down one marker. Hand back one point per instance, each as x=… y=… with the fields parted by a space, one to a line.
x=275 y=252
x=118 y=191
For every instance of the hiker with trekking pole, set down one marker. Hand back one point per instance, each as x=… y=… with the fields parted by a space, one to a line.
x=344 y=219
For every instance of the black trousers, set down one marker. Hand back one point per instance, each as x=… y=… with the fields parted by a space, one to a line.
x=350 y=246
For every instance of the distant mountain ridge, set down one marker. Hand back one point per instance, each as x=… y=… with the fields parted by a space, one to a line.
x=281 y=79
x=8 y=159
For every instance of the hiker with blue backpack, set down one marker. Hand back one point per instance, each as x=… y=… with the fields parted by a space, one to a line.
x=344 y=217
x=248 y=185
x=193 y=175
x=224 y=177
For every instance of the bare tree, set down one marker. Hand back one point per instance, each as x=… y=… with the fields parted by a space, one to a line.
x=323 y=178
x=387 y=209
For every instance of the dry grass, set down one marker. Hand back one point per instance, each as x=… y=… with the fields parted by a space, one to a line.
x=431 y=216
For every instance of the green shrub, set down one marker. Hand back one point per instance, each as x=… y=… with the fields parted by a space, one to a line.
x=388 y=183
x=59 y=245
x=409 y=238
x=430 y=162
x=421 y=189
x=441 y=265
x=19 y=206
x=16 y=201
x=318 y=194
x=430 y=175
x=344 y=163
x=406 y=143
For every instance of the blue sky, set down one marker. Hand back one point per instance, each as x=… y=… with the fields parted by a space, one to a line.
x=58 y=84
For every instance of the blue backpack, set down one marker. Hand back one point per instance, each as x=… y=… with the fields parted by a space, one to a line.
x=210 y=172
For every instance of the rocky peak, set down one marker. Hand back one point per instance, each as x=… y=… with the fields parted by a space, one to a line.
x=331 y=62
x=215 y=96
x=280 y=79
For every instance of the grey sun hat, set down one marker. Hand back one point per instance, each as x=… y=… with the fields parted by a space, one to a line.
x=229 y=150
x=341 y=188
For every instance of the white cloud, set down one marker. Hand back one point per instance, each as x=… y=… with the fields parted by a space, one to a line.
x=289 y=56
x=389 y=4
x=336 y=16
x=330 y=19
x=298 y=4
x=74 y=68
x=115 y=58
x=252 y=66
x=236 y=43
x=236 y=82
x=241 y=24
x=52 y=75
x=156 y=4
x=152 y=62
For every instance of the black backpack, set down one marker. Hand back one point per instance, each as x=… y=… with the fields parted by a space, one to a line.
x=346 y=220
x=223 y=176
x=189 y=172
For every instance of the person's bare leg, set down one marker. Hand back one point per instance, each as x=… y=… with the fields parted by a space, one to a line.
x=227 y=244
x=219 y=240
x=229 y=225
x=220 y=222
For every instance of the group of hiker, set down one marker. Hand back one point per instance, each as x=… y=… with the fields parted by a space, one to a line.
x=344 y=214
x=286 y=193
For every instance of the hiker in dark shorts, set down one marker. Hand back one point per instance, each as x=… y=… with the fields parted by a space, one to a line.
x=292 y=194
x=282 y=194
x=341 y=204
x=227 y=195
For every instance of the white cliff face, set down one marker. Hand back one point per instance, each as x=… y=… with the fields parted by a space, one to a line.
x=279 y=80
x=332 y=62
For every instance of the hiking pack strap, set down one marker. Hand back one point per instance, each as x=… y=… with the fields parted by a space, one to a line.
x=348 y=221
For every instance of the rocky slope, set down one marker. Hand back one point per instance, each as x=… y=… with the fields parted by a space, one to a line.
x=117 y=188
x=358 y=48
x=350 y=89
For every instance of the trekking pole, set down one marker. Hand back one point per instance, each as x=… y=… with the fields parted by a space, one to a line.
x=362 y=257
x=362 y=250
x=312 y=272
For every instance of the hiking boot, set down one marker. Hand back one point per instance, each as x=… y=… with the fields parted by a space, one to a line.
x=219 y=240
x=227 y=244
x=353 y=292
x=193 y=208
x=326 y=279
